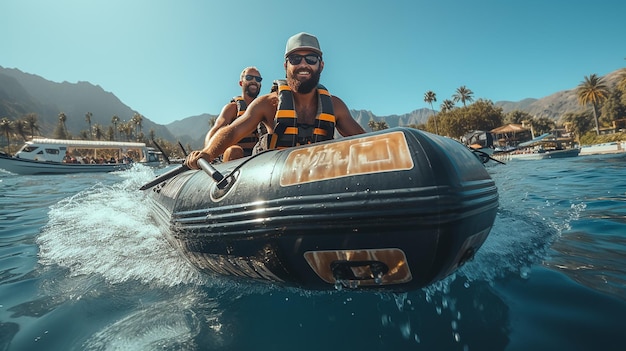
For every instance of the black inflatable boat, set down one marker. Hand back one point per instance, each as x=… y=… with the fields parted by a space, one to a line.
x=392 y=210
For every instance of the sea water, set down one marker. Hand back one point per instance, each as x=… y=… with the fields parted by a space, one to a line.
x=83 y=266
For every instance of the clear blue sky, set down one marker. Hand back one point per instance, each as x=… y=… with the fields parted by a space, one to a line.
x=172 y=59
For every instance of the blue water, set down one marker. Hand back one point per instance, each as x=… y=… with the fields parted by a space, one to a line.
x=83 y=267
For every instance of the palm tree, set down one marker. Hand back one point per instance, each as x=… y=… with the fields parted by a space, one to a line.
x=127 y=129
x=62 y=119
x=110 y=134
x=429 y=98
x=88 y=116
x=97 y=131
x=371 y=124
x=592 y=91
x=463 y=94
x=31 y=122
x=447 y=105
x=115 y=120
x=6 y=126
x=137 y=121
x=19 y=128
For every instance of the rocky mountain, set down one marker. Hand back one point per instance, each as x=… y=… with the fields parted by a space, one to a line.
x=555 y=105
x=191 y=129
x=22 y=93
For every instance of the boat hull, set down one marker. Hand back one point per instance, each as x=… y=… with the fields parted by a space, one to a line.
x=507 y=156
x=393 y=210
x=615 y=147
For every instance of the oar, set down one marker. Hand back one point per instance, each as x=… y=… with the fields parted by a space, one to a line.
x=165 y=176
x=182 y=148
x=162 y=152
x=202 y=163
x=487 y=155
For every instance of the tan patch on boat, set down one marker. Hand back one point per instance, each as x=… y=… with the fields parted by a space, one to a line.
x=372 y=154
x=359 y=263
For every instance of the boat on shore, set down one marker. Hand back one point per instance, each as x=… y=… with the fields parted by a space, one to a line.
x=391 y=210
x=546 y=146
x=58 y=156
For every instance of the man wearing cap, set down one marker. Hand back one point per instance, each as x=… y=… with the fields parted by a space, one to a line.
x=250 y=83
x=300 y=112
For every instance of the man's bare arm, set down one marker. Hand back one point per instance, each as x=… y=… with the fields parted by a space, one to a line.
x=345 y=124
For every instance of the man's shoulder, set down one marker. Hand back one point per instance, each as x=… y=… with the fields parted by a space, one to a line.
x=266 y=99
x=229 y=110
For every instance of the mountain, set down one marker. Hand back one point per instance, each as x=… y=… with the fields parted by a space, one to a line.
x=22 y=93
x=191 y=129
x=555 y=105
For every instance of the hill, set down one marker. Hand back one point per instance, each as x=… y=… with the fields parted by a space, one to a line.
x=555 y=105
x=22 y=93
x=191 y=129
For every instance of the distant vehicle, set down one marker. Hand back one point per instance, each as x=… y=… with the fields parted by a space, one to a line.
x=56 y=156
x=542 y=147
x=614 y=147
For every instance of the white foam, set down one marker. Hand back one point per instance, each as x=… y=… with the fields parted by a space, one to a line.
x=108 y=230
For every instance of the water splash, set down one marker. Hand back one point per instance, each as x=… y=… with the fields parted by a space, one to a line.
x=107 y=229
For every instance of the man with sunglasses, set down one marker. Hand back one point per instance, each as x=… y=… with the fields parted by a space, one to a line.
x=300 y=112
x=250 y=83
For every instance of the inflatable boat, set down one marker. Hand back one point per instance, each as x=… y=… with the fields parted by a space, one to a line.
x=391 y=210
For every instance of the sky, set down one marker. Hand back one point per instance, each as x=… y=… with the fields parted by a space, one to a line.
x=173 y=59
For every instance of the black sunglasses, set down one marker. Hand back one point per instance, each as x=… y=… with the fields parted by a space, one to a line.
x=310 y=59
x=251 y=77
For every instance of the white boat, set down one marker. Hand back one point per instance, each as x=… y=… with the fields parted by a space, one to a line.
x=614 y=147
x=57 y=156
x=543 y=147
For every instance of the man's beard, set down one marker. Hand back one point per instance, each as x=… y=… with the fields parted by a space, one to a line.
x=304 y=87
x=251 y=94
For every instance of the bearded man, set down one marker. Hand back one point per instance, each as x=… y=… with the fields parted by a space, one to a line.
x=250 y=83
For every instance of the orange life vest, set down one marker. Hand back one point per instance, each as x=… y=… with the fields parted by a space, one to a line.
x=247 y=143
x=288 y=132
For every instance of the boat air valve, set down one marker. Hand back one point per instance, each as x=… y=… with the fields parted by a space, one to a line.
x=358 y=270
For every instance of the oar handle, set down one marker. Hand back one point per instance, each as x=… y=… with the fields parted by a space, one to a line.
x=210 y=170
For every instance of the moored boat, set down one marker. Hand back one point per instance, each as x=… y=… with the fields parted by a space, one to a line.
x=614 y=147
x=546 y=146
x=57 y=156
x=391 y=210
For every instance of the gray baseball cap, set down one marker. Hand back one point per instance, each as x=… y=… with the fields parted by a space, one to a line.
x=302 y=41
